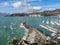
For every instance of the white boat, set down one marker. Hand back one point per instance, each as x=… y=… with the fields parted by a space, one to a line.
x=47 y=22
x=52 y=23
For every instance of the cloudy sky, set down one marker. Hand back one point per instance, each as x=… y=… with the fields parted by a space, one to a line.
x=17 y=6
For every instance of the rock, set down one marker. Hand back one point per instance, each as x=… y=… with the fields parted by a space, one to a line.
x=34 y=36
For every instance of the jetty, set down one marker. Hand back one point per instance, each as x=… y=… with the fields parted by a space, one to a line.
x=34 y=36
x=49 y=28
x=57 y=23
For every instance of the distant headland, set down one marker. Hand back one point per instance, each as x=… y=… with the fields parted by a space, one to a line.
x=44 y=13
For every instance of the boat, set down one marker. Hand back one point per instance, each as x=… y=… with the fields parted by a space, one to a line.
x=55 y=36
x=47 y=22
x=52 y=22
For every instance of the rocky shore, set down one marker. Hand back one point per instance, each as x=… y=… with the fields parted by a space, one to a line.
x=33 y=37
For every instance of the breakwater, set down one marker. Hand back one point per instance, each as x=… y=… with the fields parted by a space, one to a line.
x=34 y=36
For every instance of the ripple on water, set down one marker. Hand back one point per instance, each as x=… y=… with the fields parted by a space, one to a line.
x=4 y=26
x=8 y=37
x=12 y=23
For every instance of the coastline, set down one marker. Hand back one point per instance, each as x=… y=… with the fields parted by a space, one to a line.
x=34 y=34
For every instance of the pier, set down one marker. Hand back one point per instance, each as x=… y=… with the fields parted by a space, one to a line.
x=55 y=35
x=49 y=28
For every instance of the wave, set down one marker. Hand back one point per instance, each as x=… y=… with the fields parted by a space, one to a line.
x=4 y=26
x=8 y=37
x=22 y=26
x=11 y=29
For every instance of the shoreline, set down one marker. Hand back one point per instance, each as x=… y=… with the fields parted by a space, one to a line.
x=34 y=34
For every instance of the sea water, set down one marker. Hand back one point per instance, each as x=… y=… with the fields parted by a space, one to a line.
x=10 y=26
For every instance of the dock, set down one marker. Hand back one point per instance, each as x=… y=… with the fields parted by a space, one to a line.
x=50 y=28
x=55 y=35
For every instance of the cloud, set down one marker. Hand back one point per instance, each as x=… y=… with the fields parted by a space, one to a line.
x=34 y=0
x=4 y=3
x=31 y=8
x=23 y=3
x=17 y=4
x=37 y=7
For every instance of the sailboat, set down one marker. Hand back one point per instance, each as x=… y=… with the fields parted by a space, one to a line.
x=47 y=22
x=52 y=22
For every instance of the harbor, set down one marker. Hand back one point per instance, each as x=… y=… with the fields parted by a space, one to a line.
x=29 y=22
x=49 y=28
x=10 y=28
x=33 y=35
x=55 y=36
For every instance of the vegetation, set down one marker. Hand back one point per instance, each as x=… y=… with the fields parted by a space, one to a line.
x=44 y=13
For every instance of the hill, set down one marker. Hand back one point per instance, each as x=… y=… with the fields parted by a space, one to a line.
x=44 y=13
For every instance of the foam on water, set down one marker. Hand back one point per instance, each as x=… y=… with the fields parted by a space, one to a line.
x=8 y=37
x=11 y=27
x=12 y=23
x=22 y=26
